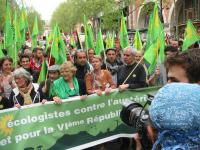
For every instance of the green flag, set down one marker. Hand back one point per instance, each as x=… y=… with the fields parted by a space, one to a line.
x=23 y=23
x=17 y=37
x=158 y=34
x=58 y=47
x=8 y=32
x=155 y=40
x=61 y=48
x=191 y=35
x=17 y=40
x=137 y=41
x=49 y=38
x=124 y=42
x=90 y=37
x=35 y=33
x=108 y=40
x=149 y=32
x=54 y=46
x=151 y=56
x=72 y=41
x=112 y=45
x=43 y=72
x=89 y=40
x=99 y=43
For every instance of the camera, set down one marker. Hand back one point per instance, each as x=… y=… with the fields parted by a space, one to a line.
x=135 y=115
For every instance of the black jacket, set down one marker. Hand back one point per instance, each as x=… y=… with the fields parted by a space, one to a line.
x=136 y=80
x=45 y=95
x=4 y=103
x=80 y=75
x=16 y=97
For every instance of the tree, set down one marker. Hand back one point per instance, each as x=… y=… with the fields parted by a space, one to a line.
x=31 y=14
x=13 y=6
x=71 y=12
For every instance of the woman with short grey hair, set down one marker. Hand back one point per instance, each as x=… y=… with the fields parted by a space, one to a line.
x=26 y=92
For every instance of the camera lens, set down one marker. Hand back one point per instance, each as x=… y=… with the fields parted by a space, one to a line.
x=131 y=113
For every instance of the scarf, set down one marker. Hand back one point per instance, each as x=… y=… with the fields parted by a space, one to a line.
x=25 y=92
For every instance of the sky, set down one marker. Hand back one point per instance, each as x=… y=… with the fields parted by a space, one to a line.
x=44 y=7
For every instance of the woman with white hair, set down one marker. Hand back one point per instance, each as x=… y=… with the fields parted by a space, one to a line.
x=26 y=92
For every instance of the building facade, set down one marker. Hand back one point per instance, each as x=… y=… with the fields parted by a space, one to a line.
x=175 y=15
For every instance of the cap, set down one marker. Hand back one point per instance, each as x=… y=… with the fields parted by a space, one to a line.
x=54 y=68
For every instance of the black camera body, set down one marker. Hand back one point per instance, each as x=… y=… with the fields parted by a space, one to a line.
x=134 y=114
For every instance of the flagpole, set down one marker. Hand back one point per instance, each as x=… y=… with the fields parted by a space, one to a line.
x=15 y=53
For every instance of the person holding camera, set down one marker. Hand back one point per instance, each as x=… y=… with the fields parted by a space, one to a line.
x=174 y=113
x=183 y=67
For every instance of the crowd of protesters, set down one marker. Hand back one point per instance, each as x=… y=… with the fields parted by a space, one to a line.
x=85 y=73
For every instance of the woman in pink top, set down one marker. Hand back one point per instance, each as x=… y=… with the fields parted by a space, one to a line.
x=6 y=79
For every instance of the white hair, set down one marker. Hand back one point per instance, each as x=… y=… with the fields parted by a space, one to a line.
x=22 y=72
x=133 y=50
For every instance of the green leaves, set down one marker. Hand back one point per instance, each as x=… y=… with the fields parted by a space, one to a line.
x=70 y=13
